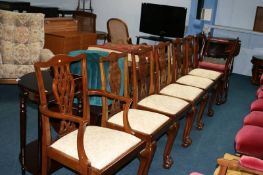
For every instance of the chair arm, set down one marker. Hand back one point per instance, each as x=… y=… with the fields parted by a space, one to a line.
x=51 y=114
x=45 y=54
x=126 y=106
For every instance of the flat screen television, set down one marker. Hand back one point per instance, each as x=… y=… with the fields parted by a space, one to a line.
x=163 y=20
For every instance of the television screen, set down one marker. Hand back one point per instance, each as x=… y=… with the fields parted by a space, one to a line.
x=163 y=20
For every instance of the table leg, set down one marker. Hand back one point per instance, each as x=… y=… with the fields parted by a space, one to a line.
x=23 y=98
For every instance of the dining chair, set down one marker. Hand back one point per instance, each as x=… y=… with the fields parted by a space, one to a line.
x=148 y=126
x=83 y=148
x=166 y=84
x=180 y=48
x=218 y=55
x=145 y=96
x=118 y=31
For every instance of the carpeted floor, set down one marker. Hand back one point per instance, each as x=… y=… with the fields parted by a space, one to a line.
x=213 y=141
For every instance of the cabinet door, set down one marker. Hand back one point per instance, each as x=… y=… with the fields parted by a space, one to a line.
x=258 y=24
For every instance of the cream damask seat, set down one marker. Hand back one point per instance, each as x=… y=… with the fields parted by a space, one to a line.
x=21 y=44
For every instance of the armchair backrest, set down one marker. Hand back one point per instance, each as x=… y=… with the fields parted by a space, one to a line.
x=63 y=88
x=118 y=31
x=22 y=37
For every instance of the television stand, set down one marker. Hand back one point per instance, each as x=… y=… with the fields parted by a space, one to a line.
x=153 y=38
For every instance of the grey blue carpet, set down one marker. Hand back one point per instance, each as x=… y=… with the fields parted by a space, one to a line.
x=212 y=142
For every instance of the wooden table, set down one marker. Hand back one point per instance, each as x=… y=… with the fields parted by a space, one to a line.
x=66 y=41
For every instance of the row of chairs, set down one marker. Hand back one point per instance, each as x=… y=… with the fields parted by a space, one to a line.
x=159 y=101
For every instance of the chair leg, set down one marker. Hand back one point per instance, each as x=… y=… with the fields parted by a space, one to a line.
x=44 y=162
x=211 y=102
x=144 y=158
x=171 y=134
x=150 y=149
x=187 y=141
x=199 y=121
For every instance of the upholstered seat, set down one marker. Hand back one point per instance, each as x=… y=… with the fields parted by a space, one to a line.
x=212 y=75
x=95 y=141
x=257 y=105
x=163 y=103
x=181 y=91
x=254 y=118
x=21 y=44
x=140 y=120
x=249 y=141
x=195 y=81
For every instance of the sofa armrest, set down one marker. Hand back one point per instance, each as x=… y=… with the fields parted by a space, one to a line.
x=1 y=61
x=45 y=54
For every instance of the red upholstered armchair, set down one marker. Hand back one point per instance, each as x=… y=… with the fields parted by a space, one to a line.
x=218 y=54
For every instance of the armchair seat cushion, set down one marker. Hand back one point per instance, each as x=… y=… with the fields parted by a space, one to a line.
x=211 y=66
x=249 y=141
x=195 y=81
x=163 y=103
x=102 y=145
x=257 y=105
x=140 y=120
x=182 y=91
x=254 y=118
x=210 y=74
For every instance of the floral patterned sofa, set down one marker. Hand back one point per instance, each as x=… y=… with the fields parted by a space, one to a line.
x=21 y=44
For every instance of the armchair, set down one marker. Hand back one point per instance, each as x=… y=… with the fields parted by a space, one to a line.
x=21 y=44
x=86 y=149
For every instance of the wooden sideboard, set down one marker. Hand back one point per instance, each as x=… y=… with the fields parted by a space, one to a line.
x=62 y=36
x=64 y=42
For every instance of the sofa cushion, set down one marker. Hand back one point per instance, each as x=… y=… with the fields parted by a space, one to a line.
x=249 y=141
x=22 y=37
x=14 y=71
x=254 y=118
x=257 y=105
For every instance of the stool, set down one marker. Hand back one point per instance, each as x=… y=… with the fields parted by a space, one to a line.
x=257 y=69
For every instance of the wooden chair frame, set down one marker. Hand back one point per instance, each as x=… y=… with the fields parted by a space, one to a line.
x=63 y=90
x=143 y=86
x=165 y=71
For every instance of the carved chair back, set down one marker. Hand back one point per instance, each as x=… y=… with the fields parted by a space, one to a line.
x=163 y=65
x=114 y=78
x=142 y=73
x=191 y=53
x=178 y=56
x=64 y=87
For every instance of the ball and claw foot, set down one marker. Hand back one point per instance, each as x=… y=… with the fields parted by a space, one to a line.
x=187 y=142
x=210 y=113
x=168 y=162
x=200 y=126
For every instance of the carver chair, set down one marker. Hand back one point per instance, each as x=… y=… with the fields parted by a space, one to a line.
x=218 y=55
x=21 y=44
x=145 y=96
x=118 y=31
x=165 y=68
x=83 y=148
x=147 y=125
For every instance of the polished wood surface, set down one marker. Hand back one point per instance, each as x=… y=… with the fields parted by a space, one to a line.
x=257 y=69
x=258 y=23
x=64 y=42
x=63 y=90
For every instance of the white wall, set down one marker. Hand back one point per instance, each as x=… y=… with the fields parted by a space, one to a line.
x=237 y=13
x=129 y=11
